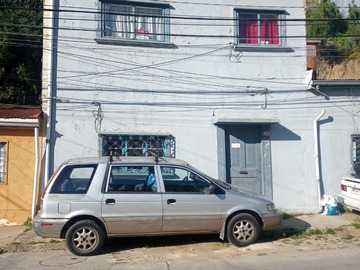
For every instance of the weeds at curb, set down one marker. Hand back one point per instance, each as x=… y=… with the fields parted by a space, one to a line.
x=356 y=224
x=297 y=235
x=53 y=241
x=348 y=237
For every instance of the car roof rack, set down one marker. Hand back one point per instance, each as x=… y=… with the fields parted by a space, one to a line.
x=153 y=154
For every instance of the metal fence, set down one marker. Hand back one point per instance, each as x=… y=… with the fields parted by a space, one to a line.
x=138 y=145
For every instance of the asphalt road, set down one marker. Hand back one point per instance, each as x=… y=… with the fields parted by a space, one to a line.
x=345 y=259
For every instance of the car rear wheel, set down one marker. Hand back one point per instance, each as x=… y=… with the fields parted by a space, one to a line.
x=243 y=230
x=85 y=238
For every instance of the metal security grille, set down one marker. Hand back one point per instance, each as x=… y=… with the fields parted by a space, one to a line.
x=355 y=155
x=138 y=145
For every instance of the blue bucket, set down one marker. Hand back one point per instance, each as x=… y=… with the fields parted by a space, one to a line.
x=332 y=210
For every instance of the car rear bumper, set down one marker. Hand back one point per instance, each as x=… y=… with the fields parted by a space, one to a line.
x=48 y=227
x=272 y=221
x=350 y=202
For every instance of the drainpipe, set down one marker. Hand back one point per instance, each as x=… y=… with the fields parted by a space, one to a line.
x=316 y=156
x=50 y=92
x=36 y=173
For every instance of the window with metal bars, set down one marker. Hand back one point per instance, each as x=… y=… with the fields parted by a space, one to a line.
x=135 y=21
x=137 y=145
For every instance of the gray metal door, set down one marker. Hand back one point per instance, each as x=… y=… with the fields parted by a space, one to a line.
x=244 y=168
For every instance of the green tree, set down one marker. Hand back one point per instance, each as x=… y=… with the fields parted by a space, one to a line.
x=354 y=27
x=20 y=51
x=340 y=37
x=325 y=20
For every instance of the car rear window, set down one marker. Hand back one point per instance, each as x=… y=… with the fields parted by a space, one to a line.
x=74 y=179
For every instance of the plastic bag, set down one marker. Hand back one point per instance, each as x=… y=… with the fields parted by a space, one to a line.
x=330 y=206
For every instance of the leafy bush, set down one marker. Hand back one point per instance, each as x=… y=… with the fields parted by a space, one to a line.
x=340 y=37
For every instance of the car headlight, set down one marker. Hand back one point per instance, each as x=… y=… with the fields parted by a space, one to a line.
x=271 y=207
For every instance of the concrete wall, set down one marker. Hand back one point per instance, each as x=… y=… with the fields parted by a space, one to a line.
x=183 y=90
x=16 y=194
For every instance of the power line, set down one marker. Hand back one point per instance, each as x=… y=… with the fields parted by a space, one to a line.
x=170 y=16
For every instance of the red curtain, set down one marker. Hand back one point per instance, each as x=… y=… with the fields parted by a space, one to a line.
x=248 y=29
x=269 y=29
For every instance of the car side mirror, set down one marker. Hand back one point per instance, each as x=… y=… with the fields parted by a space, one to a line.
x=212 y=189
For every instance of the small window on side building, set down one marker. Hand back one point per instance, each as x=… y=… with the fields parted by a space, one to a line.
x=3 y=162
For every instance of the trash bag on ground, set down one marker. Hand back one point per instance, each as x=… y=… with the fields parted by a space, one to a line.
x=329 y=205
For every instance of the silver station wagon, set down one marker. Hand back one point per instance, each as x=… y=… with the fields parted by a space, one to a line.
x=90 y=199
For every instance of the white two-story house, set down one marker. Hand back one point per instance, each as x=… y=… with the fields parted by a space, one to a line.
x=221 y=84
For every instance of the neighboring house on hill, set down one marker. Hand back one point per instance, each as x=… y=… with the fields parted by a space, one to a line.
x=223 y=86
x=19 y=161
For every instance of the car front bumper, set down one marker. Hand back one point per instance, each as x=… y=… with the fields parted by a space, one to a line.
x=272 y=221
x=48 y=227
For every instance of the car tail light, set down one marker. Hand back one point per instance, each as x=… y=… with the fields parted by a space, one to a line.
x=343 y=187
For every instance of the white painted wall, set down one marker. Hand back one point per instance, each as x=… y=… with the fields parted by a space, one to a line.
x=153 y=90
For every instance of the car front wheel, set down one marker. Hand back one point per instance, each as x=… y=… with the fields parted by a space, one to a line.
x=84 y=238
x=243 y=230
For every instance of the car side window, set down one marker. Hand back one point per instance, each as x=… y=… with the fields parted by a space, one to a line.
x=181 y=180
x=74 y=179
x=132 y=179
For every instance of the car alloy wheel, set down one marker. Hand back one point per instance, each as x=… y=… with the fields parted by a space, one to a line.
x=243 y=230
x=85 y=238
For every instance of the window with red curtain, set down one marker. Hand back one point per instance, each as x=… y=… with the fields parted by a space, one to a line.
x=248 y=29
x=260 y=28
x=269 y=25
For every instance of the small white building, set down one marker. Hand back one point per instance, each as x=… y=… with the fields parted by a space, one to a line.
x=221 y=84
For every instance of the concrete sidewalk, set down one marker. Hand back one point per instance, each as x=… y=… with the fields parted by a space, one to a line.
x=22 y=234
x=319 y=221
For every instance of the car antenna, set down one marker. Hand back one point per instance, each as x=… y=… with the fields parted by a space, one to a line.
x=111 y=156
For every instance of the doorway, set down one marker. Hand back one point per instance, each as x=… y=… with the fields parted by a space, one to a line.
x=248 y=158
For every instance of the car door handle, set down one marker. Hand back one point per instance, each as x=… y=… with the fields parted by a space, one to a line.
x=171 y=201
x=110 y=201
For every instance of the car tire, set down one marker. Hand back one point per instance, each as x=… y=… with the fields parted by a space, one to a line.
x=84 y=238
x=243 y=230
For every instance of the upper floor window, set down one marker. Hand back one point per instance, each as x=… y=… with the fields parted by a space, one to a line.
x=128 y=20
x=260 y=28
x=2 y=162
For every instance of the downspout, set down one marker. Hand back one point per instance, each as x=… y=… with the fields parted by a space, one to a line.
x=50 y=93
x=316 y=156
x=36 y=172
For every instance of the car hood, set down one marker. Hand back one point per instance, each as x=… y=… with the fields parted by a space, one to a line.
x=237 y=192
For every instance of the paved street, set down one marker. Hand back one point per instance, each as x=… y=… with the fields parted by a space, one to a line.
x=346 y=259
x=22 y=249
